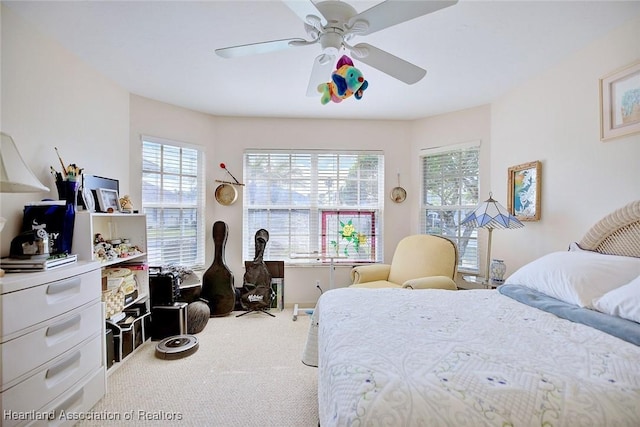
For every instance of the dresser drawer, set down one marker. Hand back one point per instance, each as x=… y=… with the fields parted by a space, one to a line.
x=55 y=378
x=68 y=409
x=60 y=334
x=31 y=306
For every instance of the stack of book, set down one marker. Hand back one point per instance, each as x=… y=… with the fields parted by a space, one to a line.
x=36 y=264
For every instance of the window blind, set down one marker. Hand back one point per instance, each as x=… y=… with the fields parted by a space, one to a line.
x=173 y=200
x=449 y=193
x=315 y=204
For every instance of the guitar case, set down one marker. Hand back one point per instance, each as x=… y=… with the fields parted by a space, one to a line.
x=256 y=291
x=217 y=282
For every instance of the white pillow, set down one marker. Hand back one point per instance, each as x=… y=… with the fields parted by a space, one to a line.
x=576 y=277
x=622 y=302
x=575 y=247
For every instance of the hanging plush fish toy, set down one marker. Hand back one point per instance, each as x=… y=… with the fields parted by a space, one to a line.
x=346 y=80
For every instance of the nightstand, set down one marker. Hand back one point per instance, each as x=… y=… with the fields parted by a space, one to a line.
x=472 y=281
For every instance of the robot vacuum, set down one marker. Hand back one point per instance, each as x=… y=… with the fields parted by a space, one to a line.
x=177 y=347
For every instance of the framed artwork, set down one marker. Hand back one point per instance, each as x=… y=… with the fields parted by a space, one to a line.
x=523 y=191
x=108 y=200
x=620 y=102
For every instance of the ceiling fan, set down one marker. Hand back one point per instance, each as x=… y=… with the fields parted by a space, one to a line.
x=332 y=24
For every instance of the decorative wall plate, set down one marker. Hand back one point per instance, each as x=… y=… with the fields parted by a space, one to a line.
x=226 y=194
x=398 y=194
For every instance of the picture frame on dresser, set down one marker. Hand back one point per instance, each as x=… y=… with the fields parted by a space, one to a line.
x=523 y=191
x=108 y=200
x=620 y=102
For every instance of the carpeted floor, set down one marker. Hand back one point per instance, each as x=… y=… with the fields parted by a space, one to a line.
x=246 y=372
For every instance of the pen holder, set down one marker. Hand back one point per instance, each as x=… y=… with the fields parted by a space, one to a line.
x=68 y=191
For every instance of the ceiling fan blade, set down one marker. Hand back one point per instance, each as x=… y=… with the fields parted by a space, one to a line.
x=257 y=48
x=304 y=9
x=388 y=63
x=393 y=12
x=323 y=66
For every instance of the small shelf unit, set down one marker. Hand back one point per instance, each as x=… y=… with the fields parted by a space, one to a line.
x=114 y=226
x=133 y=228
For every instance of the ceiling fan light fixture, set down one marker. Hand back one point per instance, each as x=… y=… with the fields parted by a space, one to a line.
x=331 y=43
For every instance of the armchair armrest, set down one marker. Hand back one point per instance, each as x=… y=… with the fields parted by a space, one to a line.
x=370 y=273
x=432 y=282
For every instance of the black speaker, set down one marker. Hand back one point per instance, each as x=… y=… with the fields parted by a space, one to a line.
x=168 y=320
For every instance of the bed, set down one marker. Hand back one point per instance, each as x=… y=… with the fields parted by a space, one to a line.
x=557 y=345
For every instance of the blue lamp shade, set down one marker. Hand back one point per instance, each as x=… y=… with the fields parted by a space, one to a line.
x=491 y=214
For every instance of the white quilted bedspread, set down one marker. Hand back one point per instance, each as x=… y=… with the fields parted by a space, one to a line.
x=396 y=357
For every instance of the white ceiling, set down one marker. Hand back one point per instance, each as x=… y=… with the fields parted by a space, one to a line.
x=473 y=52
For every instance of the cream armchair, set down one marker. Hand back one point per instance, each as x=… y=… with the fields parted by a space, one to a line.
x=420 y=261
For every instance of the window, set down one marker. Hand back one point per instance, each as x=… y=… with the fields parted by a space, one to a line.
x=449 y=193
x=313 y=201
x=173 y=199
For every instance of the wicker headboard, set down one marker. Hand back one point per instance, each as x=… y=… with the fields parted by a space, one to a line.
x=617 y=233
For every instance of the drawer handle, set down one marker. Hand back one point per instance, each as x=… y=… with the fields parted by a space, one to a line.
x=55 y=370
x=66 y=405
x=56 y=288
x=61 y=327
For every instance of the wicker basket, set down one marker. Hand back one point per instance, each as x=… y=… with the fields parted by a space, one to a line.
x=114 y=300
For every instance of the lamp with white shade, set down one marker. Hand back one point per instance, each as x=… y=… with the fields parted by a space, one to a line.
x=490 y=215
x=15 y=175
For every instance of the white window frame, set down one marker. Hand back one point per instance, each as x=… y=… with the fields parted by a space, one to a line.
x=465 y=238
x=197 y=240
x=317 y=248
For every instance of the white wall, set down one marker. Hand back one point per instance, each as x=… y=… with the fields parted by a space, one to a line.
x=225 y=139
x=52 y=99
x=554 y=118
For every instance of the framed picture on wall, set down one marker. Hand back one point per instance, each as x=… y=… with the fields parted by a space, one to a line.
x=620 y=102
x=523 y=191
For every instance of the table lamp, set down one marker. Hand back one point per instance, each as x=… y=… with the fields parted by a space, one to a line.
x=490 y=214
x=15 y=175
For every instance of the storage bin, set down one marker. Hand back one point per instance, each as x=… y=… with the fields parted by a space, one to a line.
x=128 y=335
x=111 y=357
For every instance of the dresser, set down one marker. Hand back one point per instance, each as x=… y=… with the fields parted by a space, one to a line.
x=52 y=345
